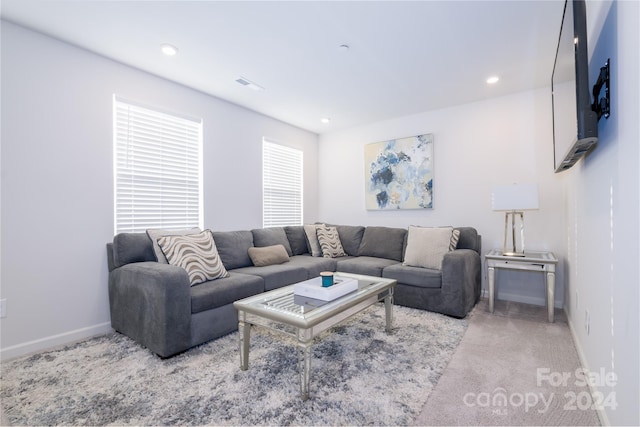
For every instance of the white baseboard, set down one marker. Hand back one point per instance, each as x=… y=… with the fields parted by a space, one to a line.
x=53 y=341
x=604 y=419
x=521 y=298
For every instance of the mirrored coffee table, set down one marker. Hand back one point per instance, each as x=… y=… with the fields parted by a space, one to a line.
x=304 y=318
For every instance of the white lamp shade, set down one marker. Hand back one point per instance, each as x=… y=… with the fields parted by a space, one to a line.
x=516 y=197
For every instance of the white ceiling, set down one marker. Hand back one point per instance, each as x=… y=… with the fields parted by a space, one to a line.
x=404 y=57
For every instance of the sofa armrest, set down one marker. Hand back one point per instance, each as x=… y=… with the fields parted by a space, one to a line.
x=461 y=280
x=151 y=303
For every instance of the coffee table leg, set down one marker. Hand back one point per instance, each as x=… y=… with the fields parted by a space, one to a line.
x=388 y=309
x=305 y=341
x=244 y=335
x=304 y=367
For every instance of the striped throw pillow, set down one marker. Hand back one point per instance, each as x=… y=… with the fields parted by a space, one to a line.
x=455 y=236
x=196 y=253
x=330 y=242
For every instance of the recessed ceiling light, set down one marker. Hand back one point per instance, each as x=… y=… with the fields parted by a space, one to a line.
x=169 y=49
x=343 y=47
x=325 y=120
x=493 y=80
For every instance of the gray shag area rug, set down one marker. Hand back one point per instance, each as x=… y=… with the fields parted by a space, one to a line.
x=360 y=376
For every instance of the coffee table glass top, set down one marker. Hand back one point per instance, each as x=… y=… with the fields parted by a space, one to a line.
x=282 y=303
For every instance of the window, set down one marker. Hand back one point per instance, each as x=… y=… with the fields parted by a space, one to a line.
x=157 y=169
x=281 y=185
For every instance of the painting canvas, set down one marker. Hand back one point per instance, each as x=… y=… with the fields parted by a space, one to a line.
x=399 y=173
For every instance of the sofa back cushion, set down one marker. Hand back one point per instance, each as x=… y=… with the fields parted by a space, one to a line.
x=132 y=247
x=297 y=239
x=271 y=236
x=383 y=242
x=469 y=239
x=233 y=248
x=350 y=237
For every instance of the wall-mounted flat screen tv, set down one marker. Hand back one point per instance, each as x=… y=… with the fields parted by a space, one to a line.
x=575 y=124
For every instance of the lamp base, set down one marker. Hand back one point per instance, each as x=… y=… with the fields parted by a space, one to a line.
x=513 y=249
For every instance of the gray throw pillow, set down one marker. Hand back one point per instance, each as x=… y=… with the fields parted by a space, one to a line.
x=268 y=255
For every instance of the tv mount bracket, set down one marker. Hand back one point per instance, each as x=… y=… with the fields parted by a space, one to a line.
x=601 y=105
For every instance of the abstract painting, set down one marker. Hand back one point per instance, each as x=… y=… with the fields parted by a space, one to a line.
x=399 y=173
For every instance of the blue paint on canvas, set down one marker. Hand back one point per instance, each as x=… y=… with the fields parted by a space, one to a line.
x=400 y=173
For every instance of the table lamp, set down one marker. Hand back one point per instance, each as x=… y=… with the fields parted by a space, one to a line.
x=514 y=199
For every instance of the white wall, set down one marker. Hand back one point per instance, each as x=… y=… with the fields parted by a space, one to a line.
x=57 y=179
x=476 y=146
x=589 y=216
x=603 y=215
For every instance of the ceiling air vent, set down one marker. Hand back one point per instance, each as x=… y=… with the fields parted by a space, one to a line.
x=248 y=83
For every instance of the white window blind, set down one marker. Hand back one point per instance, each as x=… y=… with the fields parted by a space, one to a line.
x=157 y=169
x=281 y=185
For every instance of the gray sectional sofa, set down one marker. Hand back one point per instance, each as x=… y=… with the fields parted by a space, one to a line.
x=155 y=305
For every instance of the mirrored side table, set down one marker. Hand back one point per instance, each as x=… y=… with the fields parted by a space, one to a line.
x=544 y=262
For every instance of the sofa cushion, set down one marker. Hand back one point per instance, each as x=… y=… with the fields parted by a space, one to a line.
x=330 y=242
x=297 y=239
x=196 y=253
x=414 y=276
x=370 y=266
x=312 y=239
x=277 y=276
x=271 y=236
x=426 y=246
x=155 y=233
x=233 y=247
x=131 y=247
x=268 y=255
x=218 y=293
x=469 y=239
x=314 y=265
x=383 y=242
x=350 y=237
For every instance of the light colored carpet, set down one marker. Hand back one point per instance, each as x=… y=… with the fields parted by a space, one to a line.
x=360 y=376
x=504 y=372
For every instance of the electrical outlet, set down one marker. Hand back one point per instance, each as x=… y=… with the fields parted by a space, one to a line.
x=586 y=321
x=3 y=308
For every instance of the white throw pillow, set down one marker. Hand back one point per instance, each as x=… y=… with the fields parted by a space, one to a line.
x=312 y=238
x=427 y=246
x=196 y=253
